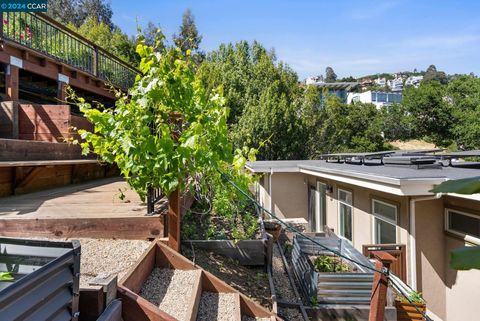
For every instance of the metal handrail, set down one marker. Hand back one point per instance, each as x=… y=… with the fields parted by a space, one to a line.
x=41 y=33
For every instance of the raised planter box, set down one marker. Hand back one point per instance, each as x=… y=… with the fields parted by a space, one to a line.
x=158 y=255
x=407 y=312
x=246 y=252
x=46 y=279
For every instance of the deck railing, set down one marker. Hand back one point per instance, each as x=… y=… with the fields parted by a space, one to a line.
x=45 y=35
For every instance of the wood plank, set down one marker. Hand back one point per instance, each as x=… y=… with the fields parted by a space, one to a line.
x=112 y=227
x=136 y=308
x=92 y=303
x=168 y=258
x=174 y=220
x=137 y=275
x=194 y=303
x=47 y=162
x=238 y=315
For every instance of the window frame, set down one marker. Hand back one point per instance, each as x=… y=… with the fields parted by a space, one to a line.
x=384 y=219
x=466 y=237
x=340 y=202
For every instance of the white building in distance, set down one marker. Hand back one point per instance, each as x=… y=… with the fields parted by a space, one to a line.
x=378 y=98
x=413 y=81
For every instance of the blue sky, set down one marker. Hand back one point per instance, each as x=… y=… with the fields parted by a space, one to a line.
x=355 y=37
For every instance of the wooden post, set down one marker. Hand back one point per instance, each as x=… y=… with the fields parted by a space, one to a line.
x=11 y=83
x=62 y=92
x=174 y=220
x=380 y=286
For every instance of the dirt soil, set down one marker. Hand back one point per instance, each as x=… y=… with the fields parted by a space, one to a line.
x=251 y=281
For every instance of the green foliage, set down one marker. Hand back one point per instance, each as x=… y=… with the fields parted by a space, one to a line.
x=261 y=95
x=111 y=39
x=330 y=75
x=188 y=37
x=356 y=128
x=325 y=263
x=414 y=296
x=314 y=300
x=430 y=112
x=76 y=12
x=464 y=97
x=397 y=122
x=465 y=258
x=459 y=186
x=190 y=136
x=433 y=75
x=6 y=276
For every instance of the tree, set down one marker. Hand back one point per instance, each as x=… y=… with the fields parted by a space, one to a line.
x=190 y=135
x=330 y=75
x=397 y=122
x=188 y=37
x=261 y=95
x=153 y=36
x=63 y=11
x=113 y=40
x=312 y=118
x=77 y=12
x=348 y=79
x=433 y=75
x=100 y=10
x=350 y=128
x=430 y=112
x=464 y=99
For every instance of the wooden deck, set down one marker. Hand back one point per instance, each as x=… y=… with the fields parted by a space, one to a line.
x=91 y=209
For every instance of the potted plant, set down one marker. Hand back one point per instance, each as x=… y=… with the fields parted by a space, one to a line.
x=273 y=228
x=406 y=311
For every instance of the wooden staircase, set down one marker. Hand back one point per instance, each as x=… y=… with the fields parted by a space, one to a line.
x=201 y=296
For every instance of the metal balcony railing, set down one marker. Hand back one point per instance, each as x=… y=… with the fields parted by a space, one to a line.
x=45 y=35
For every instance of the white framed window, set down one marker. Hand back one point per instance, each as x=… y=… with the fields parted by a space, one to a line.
x=465 y=225
x=345 y=214
x=385 y=218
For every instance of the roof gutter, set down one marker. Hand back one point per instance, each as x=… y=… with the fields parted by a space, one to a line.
x=413 y=246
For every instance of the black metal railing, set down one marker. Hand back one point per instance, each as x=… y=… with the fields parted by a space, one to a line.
x=45 y=35
x=153 y=196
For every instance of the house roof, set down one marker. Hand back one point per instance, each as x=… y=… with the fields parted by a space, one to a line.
x=399 y=180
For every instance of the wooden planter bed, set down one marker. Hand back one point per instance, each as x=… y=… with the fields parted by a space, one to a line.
x=201 y=286
x=407 y=312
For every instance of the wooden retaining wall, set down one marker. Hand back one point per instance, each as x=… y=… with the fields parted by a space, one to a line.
x=16 y=180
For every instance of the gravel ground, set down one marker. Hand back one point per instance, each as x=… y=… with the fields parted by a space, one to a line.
x=170 y=290
x=283 y=288
x=217 y=307
x=251 y=281
x=289 y=314
x=108 y=256
x=249 y=318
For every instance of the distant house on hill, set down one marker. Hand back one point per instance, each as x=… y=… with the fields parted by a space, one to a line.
x=413 y=81
x=339 y=89
x=378 y=98
x=395 y=84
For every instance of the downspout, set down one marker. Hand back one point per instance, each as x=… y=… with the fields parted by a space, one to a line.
x=413 y=246
x=271 y=190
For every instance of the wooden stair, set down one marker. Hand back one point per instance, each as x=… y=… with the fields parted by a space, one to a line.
x=204 y=286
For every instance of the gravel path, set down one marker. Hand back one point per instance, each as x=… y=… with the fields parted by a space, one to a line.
x=283 y=288
x=290 y=314
x=108 y=256
x=249 y=318
x=170 y=290
x=217 y=307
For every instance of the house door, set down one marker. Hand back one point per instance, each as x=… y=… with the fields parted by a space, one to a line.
x=321 y=210
x=317 y=206
x=312 y=208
